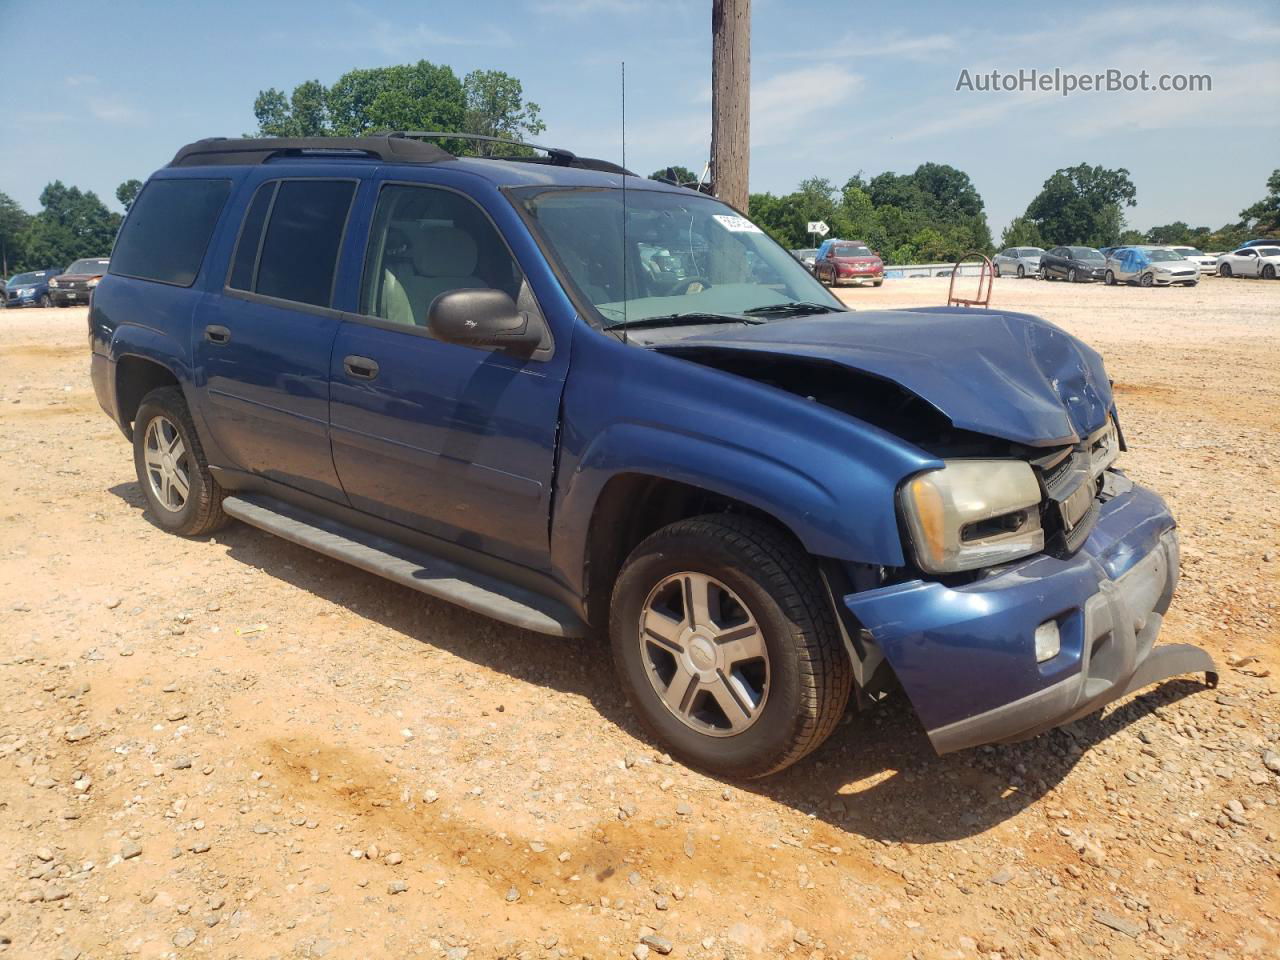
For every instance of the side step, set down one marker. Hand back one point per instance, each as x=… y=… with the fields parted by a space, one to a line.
x=408 y=566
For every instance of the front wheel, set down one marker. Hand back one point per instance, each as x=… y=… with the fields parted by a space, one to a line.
x=45 y=301
x=1022 y=272
x=1147 y=280
x=181 y=493
x=726 y=645
x=1071 y=274
x=1224 y=270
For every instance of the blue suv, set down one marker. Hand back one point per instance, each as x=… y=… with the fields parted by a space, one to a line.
x=575 y=400
x=30 y=289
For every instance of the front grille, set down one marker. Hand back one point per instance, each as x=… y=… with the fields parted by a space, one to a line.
x=1066 y=478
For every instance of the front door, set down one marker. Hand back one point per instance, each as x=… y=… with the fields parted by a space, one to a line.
x=458 y=442
x=262 y=345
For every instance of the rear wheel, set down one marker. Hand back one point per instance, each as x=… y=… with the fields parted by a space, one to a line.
x=995 y=269
x=726 y=646
x=1110 y=279
x=172 y=471
x=1268 y=272
x=1044 y=274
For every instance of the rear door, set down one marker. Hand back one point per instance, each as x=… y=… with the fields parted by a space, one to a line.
x=455 y=441
x=262 y=344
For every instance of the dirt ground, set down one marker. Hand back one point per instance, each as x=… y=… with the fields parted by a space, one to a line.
x=232 y=747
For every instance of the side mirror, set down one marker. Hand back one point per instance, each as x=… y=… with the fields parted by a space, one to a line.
x=484 y=318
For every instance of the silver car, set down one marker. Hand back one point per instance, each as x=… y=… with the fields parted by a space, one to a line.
x=1206 y=263
x=1017 y=262
x=1150 y=266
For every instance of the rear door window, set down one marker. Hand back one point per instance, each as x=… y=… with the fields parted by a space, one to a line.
x=289 y=242
x=168 y=229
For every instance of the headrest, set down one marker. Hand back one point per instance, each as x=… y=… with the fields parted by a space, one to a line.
x=444 y=252
x=397 y=245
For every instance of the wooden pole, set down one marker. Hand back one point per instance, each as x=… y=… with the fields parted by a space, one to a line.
x=731 y=100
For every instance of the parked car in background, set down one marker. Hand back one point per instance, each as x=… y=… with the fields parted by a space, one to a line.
x=1017 y=262
x=1205 y=263
x=1107 y=251
x=1263 y=242
x=76 y=284
x=806 y=256
x=30 y=289
x=1260 y=261
x=1150 y=266
x=847 y=261
x=1077 y=264
x=415 y=363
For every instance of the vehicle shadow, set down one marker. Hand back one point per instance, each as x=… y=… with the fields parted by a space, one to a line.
x=877 y=776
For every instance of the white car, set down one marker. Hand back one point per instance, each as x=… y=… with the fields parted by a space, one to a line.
x=1149 y=266
x=1206 y=263
x=1250 y=262
x=1017 y=262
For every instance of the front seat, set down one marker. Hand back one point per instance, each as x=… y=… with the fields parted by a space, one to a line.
x=444 y=259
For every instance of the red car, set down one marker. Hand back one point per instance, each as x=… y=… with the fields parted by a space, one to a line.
x=848 y=261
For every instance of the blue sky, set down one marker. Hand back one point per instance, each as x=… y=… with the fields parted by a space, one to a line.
x=837 y=87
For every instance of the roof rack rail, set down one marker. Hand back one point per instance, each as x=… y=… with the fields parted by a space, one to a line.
x=226 y=151
x=557 y=156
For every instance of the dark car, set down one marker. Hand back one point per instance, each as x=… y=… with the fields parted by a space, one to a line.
x=454 y=372
x=75 y=285
x=1077 y=264
x=30 y=289
x=847 y=261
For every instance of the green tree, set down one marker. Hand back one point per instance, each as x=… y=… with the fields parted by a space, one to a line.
x=1021 y=232
x=1083 y=204
x=1265 y=214
x=71 y=224
x=495 y=107
x=1177 y=232
x=127 y=192
x=14 y=222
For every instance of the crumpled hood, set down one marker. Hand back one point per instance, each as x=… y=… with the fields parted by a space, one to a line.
x=1008 y=375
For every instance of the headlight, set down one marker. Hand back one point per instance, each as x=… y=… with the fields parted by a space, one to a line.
x=973 y=513
x=94 y=282
x=53 y=283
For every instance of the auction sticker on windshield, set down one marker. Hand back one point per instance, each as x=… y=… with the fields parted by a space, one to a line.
x=736 y=224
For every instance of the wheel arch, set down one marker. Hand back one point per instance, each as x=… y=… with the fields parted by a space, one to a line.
x=136 y=376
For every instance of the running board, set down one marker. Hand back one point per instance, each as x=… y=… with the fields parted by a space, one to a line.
x=408 y=566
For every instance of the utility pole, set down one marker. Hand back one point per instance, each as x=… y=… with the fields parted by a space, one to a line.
x=731 y=100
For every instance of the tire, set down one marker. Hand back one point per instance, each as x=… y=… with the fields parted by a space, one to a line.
x=1224 y=270
x=1109 y=279
x=1071 y=275
x=1044 y=274
x=995 y=270
x=1147 y=280
x=1022 y=272
x=877 y=283
x=1268 y=272
x=162 y=416
x=798 y=687
x=44 y=302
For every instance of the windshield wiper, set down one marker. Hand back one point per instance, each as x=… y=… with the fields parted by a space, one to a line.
x=792 y=308
x=676 y=319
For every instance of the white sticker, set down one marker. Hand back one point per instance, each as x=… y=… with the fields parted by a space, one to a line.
x=736 y=224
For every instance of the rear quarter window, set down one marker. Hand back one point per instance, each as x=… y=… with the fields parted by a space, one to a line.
x=168 y=229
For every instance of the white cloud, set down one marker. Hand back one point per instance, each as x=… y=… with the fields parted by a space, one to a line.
x=80 y=80
x=789 y=103
x=860 y=45
x=114 y=111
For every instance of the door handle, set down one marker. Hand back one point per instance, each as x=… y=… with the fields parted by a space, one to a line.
x=362 y=368
x=216 y=334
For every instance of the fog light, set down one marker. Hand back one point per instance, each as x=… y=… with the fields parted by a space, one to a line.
x=1048 y=642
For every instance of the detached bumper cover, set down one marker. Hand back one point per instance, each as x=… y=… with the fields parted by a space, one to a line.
x=966 y=655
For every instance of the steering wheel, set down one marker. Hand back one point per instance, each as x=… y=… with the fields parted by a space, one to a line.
x=685 y=285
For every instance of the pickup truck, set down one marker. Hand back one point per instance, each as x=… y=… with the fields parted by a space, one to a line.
x=585 y=403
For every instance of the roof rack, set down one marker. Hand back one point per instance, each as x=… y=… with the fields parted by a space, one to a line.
x=226 y=151
x=392 y=146
x=556 y=156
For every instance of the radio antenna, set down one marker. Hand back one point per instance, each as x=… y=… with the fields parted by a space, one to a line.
x=624 y=201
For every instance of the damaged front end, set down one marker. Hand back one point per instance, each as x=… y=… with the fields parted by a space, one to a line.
x=1037 y=574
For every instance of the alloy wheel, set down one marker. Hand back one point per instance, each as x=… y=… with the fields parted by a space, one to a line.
x=168 y=466
x=704 y=654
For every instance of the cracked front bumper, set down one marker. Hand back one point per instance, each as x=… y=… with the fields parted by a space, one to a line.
x=966 y=655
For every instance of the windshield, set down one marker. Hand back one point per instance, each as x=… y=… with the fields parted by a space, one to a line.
x=22 y=278
x=1085 y=253
x=1189 y=251
x=685 y=253
x=851 y=251
x=88 y=266
x=1030 y=252
x=1163 y=256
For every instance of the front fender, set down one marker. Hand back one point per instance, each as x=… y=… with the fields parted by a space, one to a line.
x=830 y=479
